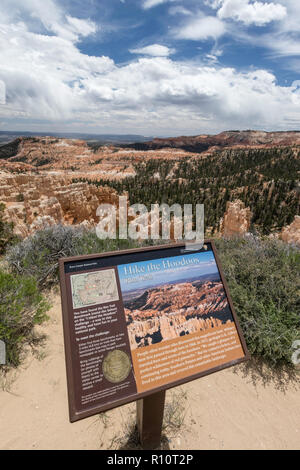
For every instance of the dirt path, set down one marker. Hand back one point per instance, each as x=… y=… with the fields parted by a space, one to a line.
x=222 y=411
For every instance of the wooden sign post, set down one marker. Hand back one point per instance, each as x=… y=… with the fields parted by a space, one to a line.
x=139 y=322
x=150 y=414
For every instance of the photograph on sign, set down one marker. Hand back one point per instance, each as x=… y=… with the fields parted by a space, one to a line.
x=144 y=320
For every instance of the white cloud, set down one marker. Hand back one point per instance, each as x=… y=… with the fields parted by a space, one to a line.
x=48 y=79
x=285 y=39
x=42 y=73
x=82 y=27
x=48 y=15
x=179 y=10
x=290 y=24
x=200 y=28
x=282 y=44
x=250 y=12
x=155 y=50
x=153 y=3
x=282 y=40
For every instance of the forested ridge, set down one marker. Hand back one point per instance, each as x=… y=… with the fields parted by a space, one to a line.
x=266 y=180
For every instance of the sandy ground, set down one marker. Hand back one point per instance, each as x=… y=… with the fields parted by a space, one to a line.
x=226 y=410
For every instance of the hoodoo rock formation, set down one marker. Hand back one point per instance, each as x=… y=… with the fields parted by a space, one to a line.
x=175 y=310
x=291 y=234
x=236 y=220
x=44 y=154
x=34 y=201
x=47 y=180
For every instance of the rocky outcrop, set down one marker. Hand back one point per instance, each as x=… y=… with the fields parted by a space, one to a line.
x=175 y=310
x=35 y=201
x=45 y=152
x=291 y=234
x=236 y=220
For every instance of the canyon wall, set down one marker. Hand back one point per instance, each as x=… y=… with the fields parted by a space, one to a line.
x=34 y=201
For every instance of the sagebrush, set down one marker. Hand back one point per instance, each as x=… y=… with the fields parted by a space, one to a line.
x=22 y=307
x=264 y=281
x=38 y=255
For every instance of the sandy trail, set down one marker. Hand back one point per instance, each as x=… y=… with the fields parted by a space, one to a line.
x=222 y=411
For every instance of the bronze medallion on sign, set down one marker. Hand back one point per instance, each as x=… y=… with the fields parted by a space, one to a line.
x=116 y=366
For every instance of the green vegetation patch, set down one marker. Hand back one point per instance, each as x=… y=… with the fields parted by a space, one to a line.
x=22 y=307
x=266 y=180
x=264 y=281
x=38 y=254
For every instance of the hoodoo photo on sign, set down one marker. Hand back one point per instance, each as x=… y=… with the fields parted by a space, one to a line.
x=181 y=295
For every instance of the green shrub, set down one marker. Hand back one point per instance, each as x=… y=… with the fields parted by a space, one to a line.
x=90 y=243
x=264 y=281
x=38 y=255
x=21 y=308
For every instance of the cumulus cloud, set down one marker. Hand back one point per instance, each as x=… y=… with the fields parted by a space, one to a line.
x=290 y=24
x=155 y=50
x=42 y=73
x=201 y=27
x=283 y=40
x=48 y=79
x=250 y=12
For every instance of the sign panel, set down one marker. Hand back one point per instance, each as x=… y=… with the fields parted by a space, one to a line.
x=140 y=321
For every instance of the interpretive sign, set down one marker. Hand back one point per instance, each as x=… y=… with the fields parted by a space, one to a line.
x=137 y=322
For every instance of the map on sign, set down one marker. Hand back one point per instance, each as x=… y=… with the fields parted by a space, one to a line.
x=94 y=288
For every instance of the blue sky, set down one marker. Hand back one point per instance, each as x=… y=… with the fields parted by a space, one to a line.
x=146 y=274
x=152 y=67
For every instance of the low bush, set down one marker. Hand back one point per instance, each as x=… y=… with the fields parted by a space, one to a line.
x=21 y=308
x=38 y=255
x=264 y=281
